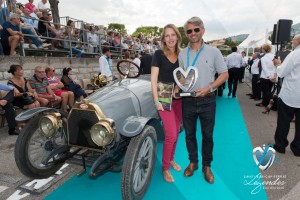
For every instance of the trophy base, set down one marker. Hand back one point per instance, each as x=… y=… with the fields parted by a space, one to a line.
x=185 y=94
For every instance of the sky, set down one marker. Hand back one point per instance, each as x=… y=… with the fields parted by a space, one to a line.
x=222 y=18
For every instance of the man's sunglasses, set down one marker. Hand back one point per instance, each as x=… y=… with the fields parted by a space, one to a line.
x=196 y=30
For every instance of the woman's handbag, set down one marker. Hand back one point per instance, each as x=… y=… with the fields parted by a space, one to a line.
x=27 y=99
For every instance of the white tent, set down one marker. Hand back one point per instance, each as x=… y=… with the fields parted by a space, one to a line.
x=256 y=39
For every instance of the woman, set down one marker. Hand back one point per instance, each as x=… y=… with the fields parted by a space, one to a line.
x=67 y=97
x=25 y=96
x=71 y=85
x=163 y=63
x=267 y=77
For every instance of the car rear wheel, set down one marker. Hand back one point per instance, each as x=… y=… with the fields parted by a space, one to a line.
x=34 y=152
x=139 y=164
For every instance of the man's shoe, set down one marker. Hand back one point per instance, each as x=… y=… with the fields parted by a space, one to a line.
x=189 y=171
x=249 y=94
x=233 y=96
x=241 y=82
x=13 y=132
x=208 y=175
x=229 y=94
x=278 y=150
x=294 y=151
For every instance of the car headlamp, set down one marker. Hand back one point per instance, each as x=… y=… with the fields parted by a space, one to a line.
x=49 y=125
x=102 y=133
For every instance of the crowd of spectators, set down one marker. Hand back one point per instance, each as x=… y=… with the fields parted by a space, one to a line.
x=34 y=23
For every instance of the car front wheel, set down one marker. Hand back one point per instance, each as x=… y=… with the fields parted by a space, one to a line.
x=139 y=164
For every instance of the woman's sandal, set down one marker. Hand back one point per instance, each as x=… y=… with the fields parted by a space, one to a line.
x=168 y=176
x=259 y=105
x=175 y=166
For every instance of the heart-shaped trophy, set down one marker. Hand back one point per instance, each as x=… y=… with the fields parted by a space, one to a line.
x=185 y=79
x=264 y=156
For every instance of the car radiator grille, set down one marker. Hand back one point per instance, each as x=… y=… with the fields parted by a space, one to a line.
x=79 y=124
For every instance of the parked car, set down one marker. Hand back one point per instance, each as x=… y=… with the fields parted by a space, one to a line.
x=116 y=128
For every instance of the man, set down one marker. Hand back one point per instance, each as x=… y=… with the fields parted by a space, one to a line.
x=256 y=91
x=105 y=63
x=234 y=62
x=289 y=99
x=244 y=65
x=146 y=62
x=39 y=82
x=44 y=26
x=11 y=34
x=208 y=60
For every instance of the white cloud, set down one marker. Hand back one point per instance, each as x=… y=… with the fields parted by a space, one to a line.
x=222 y=18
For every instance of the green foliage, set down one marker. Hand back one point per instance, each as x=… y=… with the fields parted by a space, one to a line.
x=184 y=41
x=231 y=43
x=118 y=27
x=148 y=31
x=156 y=32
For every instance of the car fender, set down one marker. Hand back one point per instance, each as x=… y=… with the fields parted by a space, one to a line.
x=27 y=114
x=134 y=125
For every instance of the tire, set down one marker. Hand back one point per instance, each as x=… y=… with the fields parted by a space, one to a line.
x=28 y=159
x=140 y=147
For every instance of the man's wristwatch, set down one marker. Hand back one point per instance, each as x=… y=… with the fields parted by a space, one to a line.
x=211 y=89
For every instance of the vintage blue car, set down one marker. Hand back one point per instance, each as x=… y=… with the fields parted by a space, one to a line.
x=116 y=128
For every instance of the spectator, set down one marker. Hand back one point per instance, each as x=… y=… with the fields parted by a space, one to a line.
x=137 y=60
x=1 y=49
x=30 y=6
x=11 y=34
x=268 y=75
x=243 y=66
x=24 y=94
x=56 y=85
x=146 y=62
x=256 y=90
x=93 y=40
x=46 y=29
x=106 y=64
x=10 y=115
x=71 y=34
x=71 y=85
x=4 y=13
x=42 y=6
x=39 y=82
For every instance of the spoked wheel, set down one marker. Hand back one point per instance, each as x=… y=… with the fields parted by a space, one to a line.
x=139 y=164
x=36 y=155
x=128 y=69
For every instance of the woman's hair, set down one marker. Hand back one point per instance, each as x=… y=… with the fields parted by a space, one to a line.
x=66 y=70
x=14 y=68
x=69 y=22
x=164 y=47
x=267 y=47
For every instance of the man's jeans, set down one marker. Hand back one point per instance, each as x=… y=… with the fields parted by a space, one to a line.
x=34 y=39
x=205 y=109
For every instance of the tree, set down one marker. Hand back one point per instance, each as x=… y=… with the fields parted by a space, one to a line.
x=148 y=31
x=119 y=27
x=54 y=9
x=184 y=41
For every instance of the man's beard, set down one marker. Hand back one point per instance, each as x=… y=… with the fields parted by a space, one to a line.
x=196 y=40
